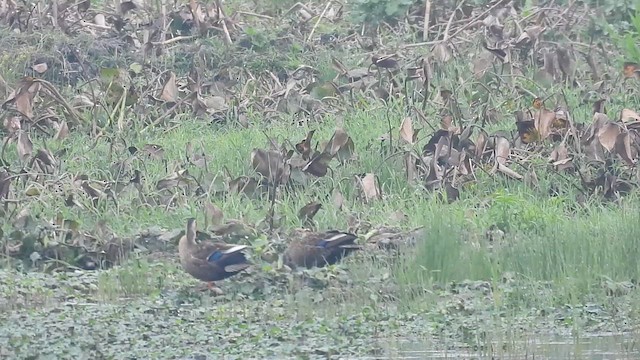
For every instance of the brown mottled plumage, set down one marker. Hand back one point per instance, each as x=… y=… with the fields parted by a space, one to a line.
x=309 y=249
x=210 y=261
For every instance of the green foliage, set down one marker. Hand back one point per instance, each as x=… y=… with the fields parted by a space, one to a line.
x=575 y=254
x=376 y=11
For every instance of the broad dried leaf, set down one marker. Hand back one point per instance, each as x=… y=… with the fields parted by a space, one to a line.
x=481 y=144
x=346 y=152
x=565 y=62
x=269 y=164
x=527 y=130
x=631 y=69
x=481 y=64
x=45 y=157
x=170 y=89
x=624 y=149
x=23 y=96
x=441 y=52
x=154 y=151
x=599 y=120
x=337 y=199
x=406 y=130
x=91 y=191
x=40 y=68
x=543 y=120
x=502 y=150
x=173 y=180
x=529 y=35
x=83 y=6
x=12 y=124
x=507 y=171
x=304 y=146
x=63 y=131
x=628 y=114
x=5 y=184
x=319 y=165
x=384 y=61
x=100 y=19
x=599 y=106
x=243 y=184
x=24 y=146
x=213 y=213
x=410 y=166
x=560 y=157
x=307 y=212
x=339 y=139
x=369 y=187
x=608 y=134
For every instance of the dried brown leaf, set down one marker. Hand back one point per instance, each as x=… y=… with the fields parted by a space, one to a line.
x=83 y=6
x=269 y=164
x=406 y=130
x=560 y=157
x=45 y=157
x=369 y=186
x=384 y=61
x=566 y=62
x=337 y=199
x=173 y=180
x=213 y=213
x=307 y=212
x=530 y=34
x=628 y=114
x=502 y=150
x=608 y=134
x=410 y=166
x=346 y=152
x=507 y=171
x=304 y=146
x=154 y=151
x=24 y=146
x=243 y=184
x=481 y=144
x=441 y=52
x=339 y=139
x=22 y=97
x=170 y=89
x=5 y=184
x=40 y=68
x=319 y=164
x=543 y=119
x=624 y=149
x=63 y=131
x=12 y=124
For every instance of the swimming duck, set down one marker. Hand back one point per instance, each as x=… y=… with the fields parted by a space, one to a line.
x=309 y=249
x=208 y=261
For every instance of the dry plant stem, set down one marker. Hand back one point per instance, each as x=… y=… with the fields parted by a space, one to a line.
x=167 y=113
x=273 y=190
x=315 y=26
x=173 y=40
x=453 y=13
x=427 y=14
x=255 y=15
x=471 y=22
x=223 y=17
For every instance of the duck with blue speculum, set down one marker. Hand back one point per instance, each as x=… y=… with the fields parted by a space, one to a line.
x=210 y=261
x=318 y=249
